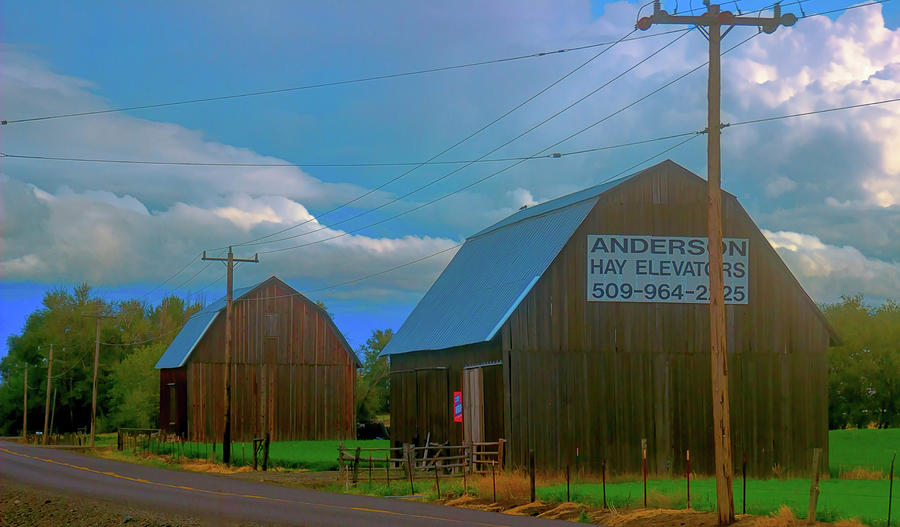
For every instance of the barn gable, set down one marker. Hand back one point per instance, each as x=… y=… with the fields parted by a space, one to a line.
x=178 y=352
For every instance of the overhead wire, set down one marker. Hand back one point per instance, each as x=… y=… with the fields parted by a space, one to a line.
x=325 y=84
x=508 y=167
x=469 y=136
x=456 y=170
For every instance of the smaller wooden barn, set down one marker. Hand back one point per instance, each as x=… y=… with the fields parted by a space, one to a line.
x=579 y=328
x=293 y=373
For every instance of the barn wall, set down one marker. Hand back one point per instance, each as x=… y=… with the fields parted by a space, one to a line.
x=176 y=424
x=422 y=386
x=291 y=377
x=596 y=377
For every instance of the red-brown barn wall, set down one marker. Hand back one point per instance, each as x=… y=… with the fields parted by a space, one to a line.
x=304 y=373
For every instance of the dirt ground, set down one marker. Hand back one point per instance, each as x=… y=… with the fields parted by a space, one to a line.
x=22 y=505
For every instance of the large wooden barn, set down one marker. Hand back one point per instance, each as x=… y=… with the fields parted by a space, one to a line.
x=580 y=326
x=293 y=373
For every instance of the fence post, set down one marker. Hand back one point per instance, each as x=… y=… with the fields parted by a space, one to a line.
x=531 y=466
x=118 y=439
x=370 y=470
x=891 y=488
x=266 y=453
x=500 y=451
x=465 y=479
x=744 y=488
x=387 y=469
x=356 y=466
x=494 y=485
x=644 y=467
x=813 y=488
x=410 y=454
x=603 y=472
x=437 y=481
x=687 y=475
x=568 y=493
x=340 y=457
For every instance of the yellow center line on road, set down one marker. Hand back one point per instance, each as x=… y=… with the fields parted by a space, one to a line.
x=248 y=496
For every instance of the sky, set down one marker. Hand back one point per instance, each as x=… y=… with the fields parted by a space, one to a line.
x=825 y=189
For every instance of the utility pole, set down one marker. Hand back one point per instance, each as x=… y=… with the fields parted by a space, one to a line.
x=47 y=405
x=229 y=323
x=97 y=316
x=25 y=407
x=714 y=19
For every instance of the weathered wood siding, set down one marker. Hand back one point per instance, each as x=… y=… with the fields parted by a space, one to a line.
x=596 y=377
x=291 y=374
x=422 y=386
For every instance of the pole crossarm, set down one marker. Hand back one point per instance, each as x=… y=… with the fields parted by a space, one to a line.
x=255 y=258
x=723 y=18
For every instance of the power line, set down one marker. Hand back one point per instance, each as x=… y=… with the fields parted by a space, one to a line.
x=527 y=158
x=473 y=134
x=813 y=112
x=324 y=84
x=520 y=135
x=508 y=167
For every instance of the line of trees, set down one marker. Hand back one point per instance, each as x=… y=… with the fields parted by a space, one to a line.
x=131 y=343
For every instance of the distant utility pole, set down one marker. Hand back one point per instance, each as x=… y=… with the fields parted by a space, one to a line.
x=229 y=322
x=714 y=19
x=99 y=317
x=47 y=405
x=25 y=407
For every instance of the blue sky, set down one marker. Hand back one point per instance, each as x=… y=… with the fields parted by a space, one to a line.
x=825 y=189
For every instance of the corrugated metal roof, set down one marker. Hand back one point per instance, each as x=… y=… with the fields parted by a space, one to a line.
x=492 y=273
x=183 y=344
x=484 y=282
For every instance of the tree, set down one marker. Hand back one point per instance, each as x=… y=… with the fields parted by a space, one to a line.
x=372 y=388
x=864 y=369
x=135 y=388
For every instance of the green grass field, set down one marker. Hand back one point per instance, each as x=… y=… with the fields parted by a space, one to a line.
x=869 y=449
x=838 y=499
x=865 y=500
x=307 y=455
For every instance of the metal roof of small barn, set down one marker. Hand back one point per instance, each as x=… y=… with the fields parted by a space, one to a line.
x=492 y=273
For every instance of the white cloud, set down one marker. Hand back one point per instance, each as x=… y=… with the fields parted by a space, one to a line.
x=828 y=271
x=73 y=237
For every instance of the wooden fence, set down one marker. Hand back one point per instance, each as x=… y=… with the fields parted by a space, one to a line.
x=410 y=462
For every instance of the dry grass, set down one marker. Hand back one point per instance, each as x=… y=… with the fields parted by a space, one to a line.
x=862 y=473
x=512 y=487
x=658 y=500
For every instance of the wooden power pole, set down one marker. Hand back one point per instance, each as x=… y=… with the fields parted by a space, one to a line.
x=714 y=19
x=229 y=324
x=25 y=407
x=47 y=405
x=97 y=316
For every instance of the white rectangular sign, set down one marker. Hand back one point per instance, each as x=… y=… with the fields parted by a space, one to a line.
x=669 y=269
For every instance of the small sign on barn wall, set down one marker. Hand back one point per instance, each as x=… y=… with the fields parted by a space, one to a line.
x=668 y=269
x=457 y=407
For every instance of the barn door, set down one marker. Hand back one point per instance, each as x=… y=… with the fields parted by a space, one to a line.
x=473 y=405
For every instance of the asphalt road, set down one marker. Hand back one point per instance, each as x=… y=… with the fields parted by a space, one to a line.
x=212 y=497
